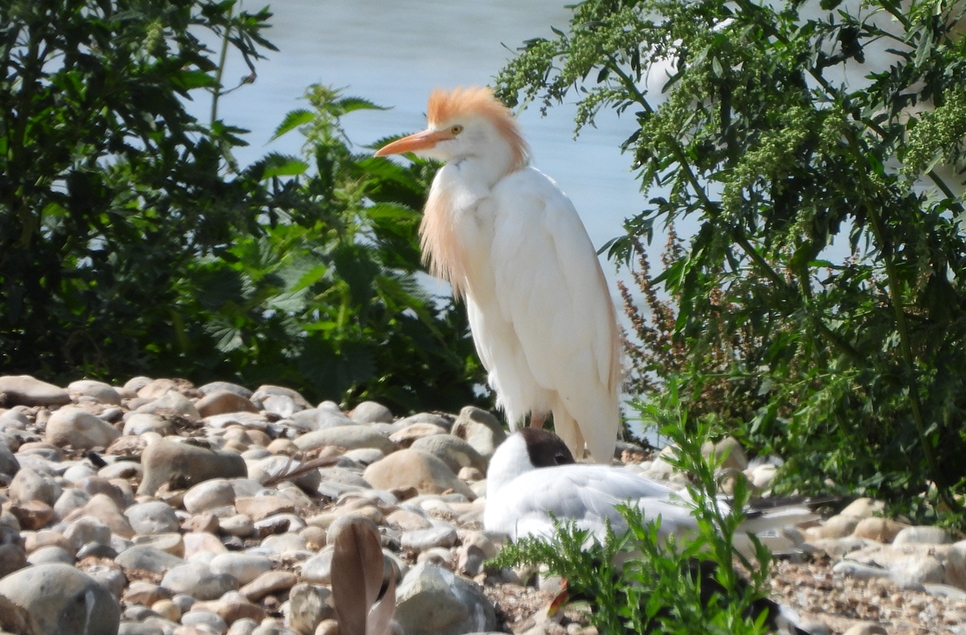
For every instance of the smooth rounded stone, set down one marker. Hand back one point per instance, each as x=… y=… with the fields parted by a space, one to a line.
x=14 y=418
x=172 y=401
x=105 y=509
x=247 y=420
x=945 y=591
x=205 y=618
x=122 y=470
x=956 y=565
x=284 y=543
x=111 y=577
x=238 y=525
x=480 y=429
x=167 y=609
x=331 y=475
x=232 y=606
x=277 y=465
x=13 y=557
x=187 y=464
x=309 y=604
x=86 y=530
x=221 y=402
x=281 y=405
x=152 y=517
x=94 y=485
x=453 y=451
x=45 y=538
x=198 y=581
x=50 y=555
x=8 y=463
x=318 y=568
x=152 y=388
x=244 y=626
x=217 y=386
x=268 y=583
x=350 y=437
x=731 y=453
x=145 y=593
x=424 y=539
x=210 y=494
x=414 y=468
x=268 y=390
x=371 y=412
x=242 y=566
x=878 y=529
x=79 y=429
x=408 y=520
x=62 y=599
x=24 y=390
x=863 y=508
x=138 y=423
x=259 y=507
x=201 y=542
x=32 y=515
x=139 y=628
x=148 y=558
x=434 y=601
x=410 y=434
x=922 y=535
x=28 y=485
x=98 y=390
x=838 y=526
x=171 y=543
x=364 y=456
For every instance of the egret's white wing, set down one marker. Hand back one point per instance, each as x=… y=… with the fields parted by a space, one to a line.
x=549 y=286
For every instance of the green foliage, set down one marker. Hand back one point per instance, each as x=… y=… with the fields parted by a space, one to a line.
x=637 y=582
x=772 y=139
x=132 y=243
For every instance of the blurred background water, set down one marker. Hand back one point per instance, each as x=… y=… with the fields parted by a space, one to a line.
x=394 y=52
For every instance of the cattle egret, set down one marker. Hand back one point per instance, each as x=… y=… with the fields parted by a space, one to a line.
x=510 y=242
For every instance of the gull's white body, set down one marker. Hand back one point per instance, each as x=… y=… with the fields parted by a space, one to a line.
x=523 y=499
x=509 y=240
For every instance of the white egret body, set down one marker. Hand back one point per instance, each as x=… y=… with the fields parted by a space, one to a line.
x=510 y=242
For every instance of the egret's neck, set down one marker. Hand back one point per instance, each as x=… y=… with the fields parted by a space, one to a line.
x=489 y=163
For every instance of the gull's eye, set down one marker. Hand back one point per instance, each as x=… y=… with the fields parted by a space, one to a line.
x=456 y=129
x=561 y=459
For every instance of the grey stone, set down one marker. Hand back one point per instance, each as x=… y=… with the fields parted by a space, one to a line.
x=451 y=450
x=371 y=412
x=211 y=494
x=423 y=539
x=138 y=423
x=480 y=429
x=309 y=605
x=922 y=535
x=198 y=581
x=50 y=555
x=413 y=468
x=148 y=558
x=95 y=389
x=24 y=390
x=28 y=485
x=187 y=464
x=434 y=601
x=353 y=436
x=79 y=429
x=153 y=517
x=62 y=599
x=241 y=566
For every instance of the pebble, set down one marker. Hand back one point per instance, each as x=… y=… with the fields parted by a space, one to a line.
x=211 y=532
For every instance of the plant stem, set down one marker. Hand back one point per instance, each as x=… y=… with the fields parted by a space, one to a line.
x=222 y=56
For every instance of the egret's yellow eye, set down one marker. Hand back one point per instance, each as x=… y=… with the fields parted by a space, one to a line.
x=456 y=129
